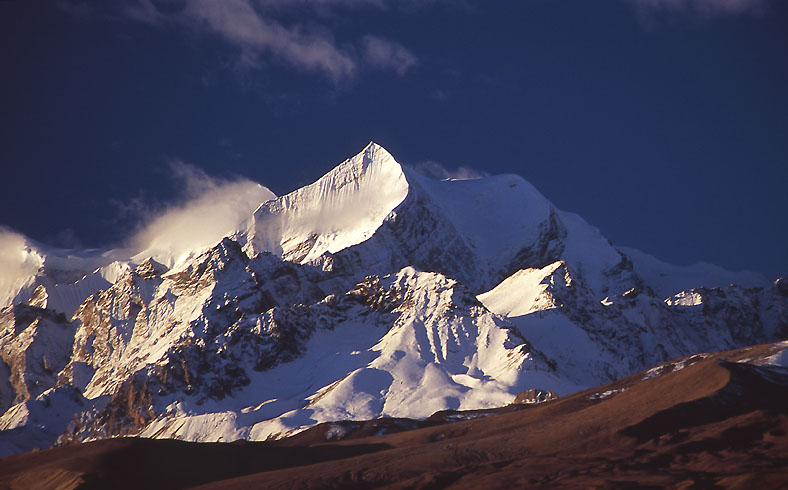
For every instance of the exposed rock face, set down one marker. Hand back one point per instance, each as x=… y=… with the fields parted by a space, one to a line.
x=406 y=238
x=546 y=250
x=35 y=345
x=529 y=397
x=350 y=300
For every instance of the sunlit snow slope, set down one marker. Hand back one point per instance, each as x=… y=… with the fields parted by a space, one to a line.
x=373 y=292
x=343 y=208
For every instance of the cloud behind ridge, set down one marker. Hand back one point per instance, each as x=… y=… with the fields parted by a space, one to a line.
x=210 y=209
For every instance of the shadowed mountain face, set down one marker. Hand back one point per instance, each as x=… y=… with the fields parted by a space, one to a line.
x=711 y=420
x=372 y=293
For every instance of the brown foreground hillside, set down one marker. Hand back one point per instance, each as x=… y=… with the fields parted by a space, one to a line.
x=698 y=422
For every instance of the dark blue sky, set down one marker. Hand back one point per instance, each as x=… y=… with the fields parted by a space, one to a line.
x=664 y=125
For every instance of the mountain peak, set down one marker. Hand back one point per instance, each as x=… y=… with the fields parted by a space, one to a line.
x=342 y=208
x=372 y=158
x=373 y=147
x=366 y=304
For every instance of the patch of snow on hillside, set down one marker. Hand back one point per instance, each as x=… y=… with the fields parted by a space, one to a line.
x=779 y=359
x=605 y=394
x=672 y=367
x=685 y=298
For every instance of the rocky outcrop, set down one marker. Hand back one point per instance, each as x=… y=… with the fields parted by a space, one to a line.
x=533 y=395
x=35 y=345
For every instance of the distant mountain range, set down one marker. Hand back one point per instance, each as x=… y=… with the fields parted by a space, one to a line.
x=374 y=292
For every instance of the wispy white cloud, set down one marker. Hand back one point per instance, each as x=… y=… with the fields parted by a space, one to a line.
x=384 y=54
x=704 y=8
x=410 y=5
x=437 y=170
x=18 y=263
x=323 y=3
x=240 y=24
x=143 y=11
x=264 y=31
x=208 y=210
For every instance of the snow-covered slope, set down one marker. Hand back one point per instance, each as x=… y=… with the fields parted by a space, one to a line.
x=406 y=345
x=68 y=275
x=352 y=298
x=343 y=208
x=667 y=279
x=230 y=365
x=595 y=340
x=372 y=215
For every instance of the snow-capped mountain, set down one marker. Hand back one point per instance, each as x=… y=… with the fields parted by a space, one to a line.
x=373 y=292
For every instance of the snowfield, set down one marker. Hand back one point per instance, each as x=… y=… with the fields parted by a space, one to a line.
x=373 y=292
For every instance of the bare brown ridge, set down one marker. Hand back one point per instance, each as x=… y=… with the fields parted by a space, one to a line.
x=705 y=421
